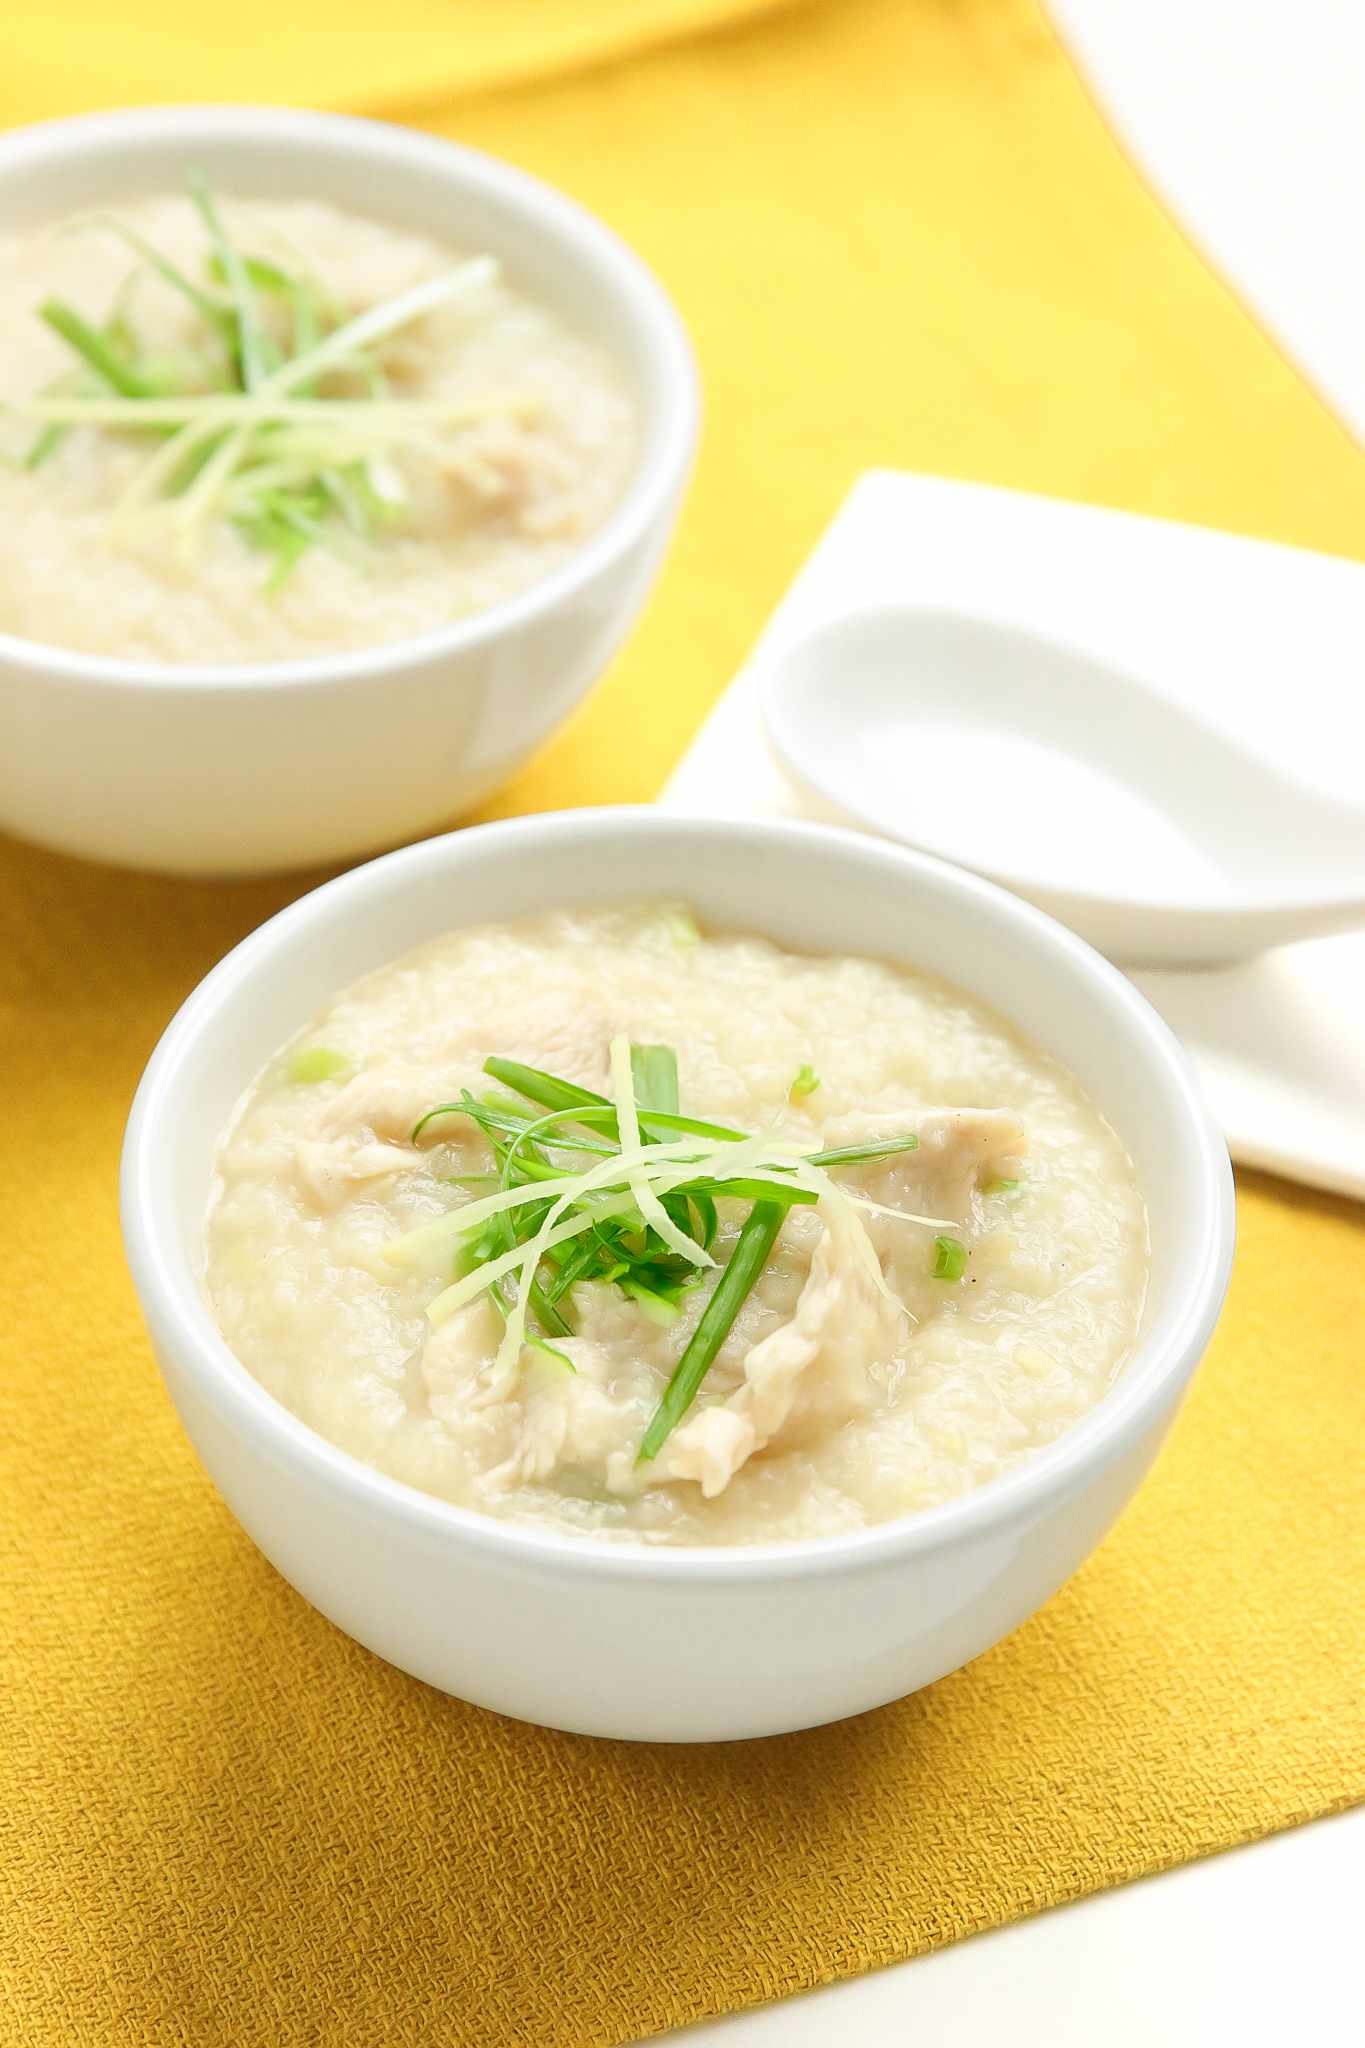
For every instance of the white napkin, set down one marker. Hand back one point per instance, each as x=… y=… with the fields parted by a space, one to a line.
x=1279 y=1040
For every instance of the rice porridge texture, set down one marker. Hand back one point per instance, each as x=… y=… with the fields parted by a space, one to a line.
x=487 y=511
x=831 y=1406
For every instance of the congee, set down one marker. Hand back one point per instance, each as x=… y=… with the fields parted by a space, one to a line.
x=241 y=432
x=603 y=1224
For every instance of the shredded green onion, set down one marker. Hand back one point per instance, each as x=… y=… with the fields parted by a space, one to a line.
x=255 y=354
x=246 y=432
x=96 y=349
x=875 y=1148
x=640 y=1214
x=656 y=1306
x=736 y=1283
x=999 y=1186
x=654 y=1069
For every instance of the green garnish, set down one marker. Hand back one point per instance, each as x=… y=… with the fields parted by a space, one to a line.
x=806 y=1082
x=277 y=418
x=256 y=353
x=529 y=1337
x=747 y=1260
x=564 y=1095
x=210 y=309
x=541 y=1087
x=44 y=444
x=658 y=1307
x=682 y=927
x=876 y=1148
x=999 y=1186
x=737 y=1188
x=313 y=1063
x=633 y=1205
x=654 y=1069
x=950 y=1258
x=97 y=349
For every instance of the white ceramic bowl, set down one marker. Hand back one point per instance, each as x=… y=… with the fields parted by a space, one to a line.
x=673 y=1644
x=242 y=769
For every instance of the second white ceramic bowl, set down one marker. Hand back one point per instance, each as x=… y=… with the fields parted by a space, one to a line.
x=244 y=769
x=673 y=1644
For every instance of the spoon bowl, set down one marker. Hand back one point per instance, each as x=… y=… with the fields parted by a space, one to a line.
x=1159 y=837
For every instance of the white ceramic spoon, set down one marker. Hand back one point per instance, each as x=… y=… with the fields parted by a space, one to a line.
x=1158 y=837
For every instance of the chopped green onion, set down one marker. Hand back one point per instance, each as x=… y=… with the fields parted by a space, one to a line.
x=647 y=1196
x=748 y=1188
x=878 y=1148
x=999 y=1186
x=493 y=1120
x=531 y=1340
x=559 y=1322
x=245 y=435
x=806 y=1082
x=643 y=1216
x=253 y=342
x=212 y=310
x=43 y=445
x=265 y=276
x=286 y=534
x=654 y=1070
x=656 y=1306
x=581 y=1262
x=702 y=1208
x=312 y=1063
x=95 y=348
x=673 y=1125
x=950 y=1258
x=543 y=1088
x=557 y=1094
x=472 y=1284
x=747 y=1260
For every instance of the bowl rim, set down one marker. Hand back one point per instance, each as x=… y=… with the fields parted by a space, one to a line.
x=662 y=461
x=180 y=1318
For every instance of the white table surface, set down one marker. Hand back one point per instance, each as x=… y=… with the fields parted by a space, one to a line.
x=1248 y=117
x=1258 y=1945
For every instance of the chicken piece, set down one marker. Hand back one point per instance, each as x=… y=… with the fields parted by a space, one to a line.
x=462 y=1390
x=529 y=1422
x=962 y=1148
x=539 y=1422
x=958 y=1149
x=331 y=1172
x=568 y=1035
x=456 y=1359
x=385 y=1100
x=564 y=1034
x=805 y=1378
x=561 y=1418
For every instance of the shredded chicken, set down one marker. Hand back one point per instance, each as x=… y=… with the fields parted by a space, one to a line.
x=564 y=1035
x=332 y=1171
x=796 y=1385
x=385 y=1100
x=961 y=1148
x=806 y=1377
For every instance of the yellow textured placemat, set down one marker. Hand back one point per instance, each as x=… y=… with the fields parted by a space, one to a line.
x=901 y=235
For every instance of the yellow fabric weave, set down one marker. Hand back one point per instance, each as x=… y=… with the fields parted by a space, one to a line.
x=901 y=235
